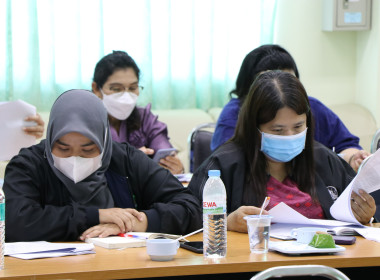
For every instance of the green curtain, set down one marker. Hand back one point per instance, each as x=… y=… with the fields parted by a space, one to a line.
x=189 y=51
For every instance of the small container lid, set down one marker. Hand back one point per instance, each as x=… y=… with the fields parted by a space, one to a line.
x=214 y=173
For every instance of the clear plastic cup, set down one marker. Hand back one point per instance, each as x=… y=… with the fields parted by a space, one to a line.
x=258 y=232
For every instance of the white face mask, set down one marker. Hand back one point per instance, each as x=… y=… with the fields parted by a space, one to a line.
x=120 y=105
x=77 y=168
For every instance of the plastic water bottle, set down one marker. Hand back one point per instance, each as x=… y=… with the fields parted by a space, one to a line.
x=214 y=217
x=2 y=227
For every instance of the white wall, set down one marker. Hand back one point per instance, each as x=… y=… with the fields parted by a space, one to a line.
x=326 y=60
x=368 y=65
x=336 y=67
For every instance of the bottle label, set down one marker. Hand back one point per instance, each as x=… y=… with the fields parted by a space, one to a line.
x=212 y=207
x=2 y=212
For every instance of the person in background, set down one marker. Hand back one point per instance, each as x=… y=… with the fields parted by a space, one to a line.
x=38 y=129
x=78 y=183
x=329 y=129
x=116 y=82
x=273 y=154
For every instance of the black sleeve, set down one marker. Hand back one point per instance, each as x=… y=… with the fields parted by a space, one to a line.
x=331 y=171
x=334 y=170
x=38 y=206
x=229 y=159
x=170 y=207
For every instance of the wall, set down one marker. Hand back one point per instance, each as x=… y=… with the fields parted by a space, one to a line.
x=368 y=65
x=336 y=67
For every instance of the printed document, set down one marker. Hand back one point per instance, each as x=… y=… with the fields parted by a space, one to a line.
x=43 y=249
x=12 y=121
x=367 y=179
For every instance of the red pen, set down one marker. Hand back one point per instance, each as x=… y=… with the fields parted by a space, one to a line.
x=132 y=236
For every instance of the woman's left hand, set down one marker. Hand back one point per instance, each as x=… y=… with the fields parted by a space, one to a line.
x=357 y=159
x=101 y=230
x=363 y=206
x=173 y=164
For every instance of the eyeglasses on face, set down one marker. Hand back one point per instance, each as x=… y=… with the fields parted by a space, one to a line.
x=116 y=88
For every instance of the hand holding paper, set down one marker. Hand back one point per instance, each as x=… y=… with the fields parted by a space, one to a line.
x=368 y=180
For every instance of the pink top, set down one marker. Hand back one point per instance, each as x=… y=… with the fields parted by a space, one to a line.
x=288 y=192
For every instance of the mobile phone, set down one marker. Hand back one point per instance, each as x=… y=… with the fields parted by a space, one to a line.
x=344 y=239
x=194 y=246
x=162 y=153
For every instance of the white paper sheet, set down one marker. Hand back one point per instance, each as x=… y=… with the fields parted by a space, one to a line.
x=282 y=213
x=13 y=138
x=286 y=218
x=31 y=256
x=367 y=179
x=42 y=246
x=43 y=249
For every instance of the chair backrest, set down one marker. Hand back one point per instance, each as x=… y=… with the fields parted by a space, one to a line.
x=375 y=144
x=301 y=270
x=199 y=144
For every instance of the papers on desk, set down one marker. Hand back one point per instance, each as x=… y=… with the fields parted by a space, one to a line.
x=282 y=213
x=128 y=240
x=43 y=249
x=12 y=115
x=286 y=218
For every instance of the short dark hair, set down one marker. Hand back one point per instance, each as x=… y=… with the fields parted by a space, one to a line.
x=110 y=63
x=106 y=67
x=263 y=58
x=270 y=92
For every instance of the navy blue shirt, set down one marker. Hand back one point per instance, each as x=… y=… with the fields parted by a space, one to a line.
x=329 y=129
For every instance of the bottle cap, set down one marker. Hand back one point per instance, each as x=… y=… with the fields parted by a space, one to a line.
x=214 y=173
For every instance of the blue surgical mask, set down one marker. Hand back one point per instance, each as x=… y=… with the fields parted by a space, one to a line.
x=282 y=148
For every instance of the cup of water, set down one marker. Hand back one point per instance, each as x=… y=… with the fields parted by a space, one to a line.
x=258 y=232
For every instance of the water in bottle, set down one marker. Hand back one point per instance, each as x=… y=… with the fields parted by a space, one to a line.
x=214 y=217
x=2 y=228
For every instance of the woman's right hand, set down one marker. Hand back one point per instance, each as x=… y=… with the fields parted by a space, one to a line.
x=123 y=218
x=235 y=220
x=101 y=230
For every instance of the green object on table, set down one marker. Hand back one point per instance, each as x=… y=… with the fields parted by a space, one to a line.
x=321 y=240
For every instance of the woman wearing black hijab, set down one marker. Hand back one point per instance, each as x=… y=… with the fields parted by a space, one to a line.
x=78 y=183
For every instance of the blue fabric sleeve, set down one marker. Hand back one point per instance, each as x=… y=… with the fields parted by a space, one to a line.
x=225 y=126
x=330 y=130
x=120 y=190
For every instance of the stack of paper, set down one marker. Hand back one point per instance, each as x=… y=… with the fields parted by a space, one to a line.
x=128 y=240
x=43 y=249
x=286 y=218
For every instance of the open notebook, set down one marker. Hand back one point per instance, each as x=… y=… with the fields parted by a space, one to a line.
x=129 y=240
